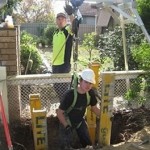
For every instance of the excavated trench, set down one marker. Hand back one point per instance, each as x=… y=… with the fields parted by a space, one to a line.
x=124 y=125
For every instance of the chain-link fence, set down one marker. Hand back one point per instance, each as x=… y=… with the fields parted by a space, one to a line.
x=51 y=89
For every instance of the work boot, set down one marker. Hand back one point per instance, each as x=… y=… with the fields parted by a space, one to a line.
x=88 y=147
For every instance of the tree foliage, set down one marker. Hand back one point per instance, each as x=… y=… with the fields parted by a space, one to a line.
x=141 y=54
x=89 y=43
x=8 y=8
x=48 y=33
x=29 y=11
x=144 y=9
x=141 y=87
x=111 y=45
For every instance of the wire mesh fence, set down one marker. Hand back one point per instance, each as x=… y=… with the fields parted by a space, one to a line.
x=51 y=89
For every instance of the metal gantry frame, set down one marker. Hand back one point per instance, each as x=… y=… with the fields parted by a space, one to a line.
x=127 y=14
x=126 y=8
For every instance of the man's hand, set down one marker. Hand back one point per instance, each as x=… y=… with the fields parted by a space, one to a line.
x=69 y=10
x=68 y=130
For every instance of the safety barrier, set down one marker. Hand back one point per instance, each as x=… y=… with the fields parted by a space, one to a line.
x=39 y=122
x=90 y=116
x=106 y=108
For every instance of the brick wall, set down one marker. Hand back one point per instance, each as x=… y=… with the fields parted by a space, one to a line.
x=9 y=50
x=10 y=58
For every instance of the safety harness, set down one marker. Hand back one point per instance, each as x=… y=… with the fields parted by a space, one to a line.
x=74 y=84
x=74 y=81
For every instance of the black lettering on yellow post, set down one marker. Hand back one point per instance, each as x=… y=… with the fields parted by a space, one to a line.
x=105 y=122
x=106 y=90
x=39 y=129
x=105 y=109
x=104 y=131
x=38 y=117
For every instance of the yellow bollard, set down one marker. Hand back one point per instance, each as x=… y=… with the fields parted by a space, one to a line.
x=39 y=129
x=35 y=102
x=91 y=121
x=106 y=108
x=39 y=122
x=95 y=67
x=91 y=117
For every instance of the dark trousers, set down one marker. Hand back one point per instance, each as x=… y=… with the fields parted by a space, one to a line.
x=64 y=68
x=61 y=88
x=82 y=134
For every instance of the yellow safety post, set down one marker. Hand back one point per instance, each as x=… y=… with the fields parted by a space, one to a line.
x=35 y=102
x=106 y=108
x=95 y=67
x=91 y=117
x=39 y=124
x=39 y=129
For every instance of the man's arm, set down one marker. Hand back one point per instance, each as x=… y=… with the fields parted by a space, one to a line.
x=96 y=110
x=61 y=117
x=69 y=10
x=71 y=17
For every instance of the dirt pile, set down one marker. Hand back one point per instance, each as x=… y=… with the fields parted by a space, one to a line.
x=126 y=123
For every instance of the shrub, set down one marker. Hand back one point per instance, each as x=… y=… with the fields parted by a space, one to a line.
x=139 y=91
x=48 y=33
x=88 y=43
x=42 y=40
x=30 y=57
x=111 y=45
x=141 y=54
x=27 y=38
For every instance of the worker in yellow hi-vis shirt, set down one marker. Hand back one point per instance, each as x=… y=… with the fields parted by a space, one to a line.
x=62 y=49
x=62 y=45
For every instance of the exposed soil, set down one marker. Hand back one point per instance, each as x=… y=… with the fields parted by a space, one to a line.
x=128 y=130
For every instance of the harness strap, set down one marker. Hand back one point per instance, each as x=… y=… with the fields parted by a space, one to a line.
x=88 y=98
x=75 y=83
x=75 y=100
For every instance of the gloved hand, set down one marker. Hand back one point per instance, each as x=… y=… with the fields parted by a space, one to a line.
x=69 y=10
x=68 y=130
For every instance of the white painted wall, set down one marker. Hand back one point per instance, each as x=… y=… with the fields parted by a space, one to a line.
x=3 y=90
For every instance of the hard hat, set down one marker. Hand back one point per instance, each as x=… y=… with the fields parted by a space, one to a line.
x=88 y=75
x=61 y=15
